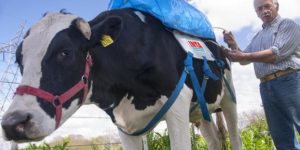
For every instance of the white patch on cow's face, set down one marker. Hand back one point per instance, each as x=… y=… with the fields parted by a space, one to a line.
x=35 y=45
x=34 y=49
x=141 y=16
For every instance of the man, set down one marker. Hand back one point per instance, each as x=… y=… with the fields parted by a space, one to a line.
x=275 y=52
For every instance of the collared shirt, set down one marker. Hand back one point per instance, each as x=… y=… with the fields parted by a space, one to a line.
x=283 y=37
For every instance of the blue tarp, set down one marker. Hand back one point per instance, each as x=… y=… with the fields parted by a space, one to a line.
x=176 y=14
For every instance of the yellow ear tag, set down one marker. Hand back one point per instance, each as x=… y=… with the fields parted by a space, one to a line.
x=106 y=40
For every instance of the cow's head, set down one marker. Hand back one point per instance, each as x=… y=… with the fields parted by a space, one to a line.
x=52 y=59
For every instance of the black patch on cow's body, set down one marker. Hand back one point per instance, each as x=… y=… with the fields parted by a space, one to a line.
x=145 y=61
x=144 y=65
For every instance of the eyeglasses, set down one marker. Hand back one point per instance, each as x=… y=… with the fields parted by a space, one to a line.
x=265 y=6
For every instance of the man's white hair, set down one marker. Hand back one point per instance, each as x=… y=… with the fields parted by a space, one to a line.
x=275 y=1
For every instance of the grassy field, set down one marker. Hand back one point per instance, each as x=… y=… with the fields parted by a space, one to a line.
x=255 y=136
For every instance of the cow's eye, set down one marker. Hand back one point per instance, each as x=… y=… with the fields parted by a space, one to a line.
x=63 y=55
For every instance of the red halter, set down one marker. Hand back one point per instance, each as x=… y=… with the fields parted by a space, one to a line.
x=58 y=101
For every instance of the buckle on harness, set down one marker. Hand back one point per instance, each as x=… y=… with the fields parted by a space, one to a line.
x=84 y=79
x=55 y=101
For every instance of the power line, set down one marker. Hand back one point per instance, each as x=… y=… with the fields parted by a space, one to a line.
x=8 y=80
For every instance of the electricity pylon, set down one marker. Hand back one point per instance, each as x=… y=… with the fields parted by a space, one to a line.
x=9 y=71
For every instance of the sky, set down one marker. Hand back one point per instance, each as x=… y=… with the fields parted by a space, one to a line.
x=237 y=16
x=14 y=13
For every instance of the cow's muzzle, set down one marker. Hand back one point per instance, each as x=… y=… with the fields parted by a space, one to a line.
x=15 y=124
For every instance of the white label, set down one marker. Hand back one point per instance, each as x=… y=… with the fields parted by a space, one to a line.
x=194 y=45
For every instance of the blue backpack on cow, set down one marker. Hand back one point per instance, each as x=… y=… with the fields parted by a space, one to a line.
x=176 y=14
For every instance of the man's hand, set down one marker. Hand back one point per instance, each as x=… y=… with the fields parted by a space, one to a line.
x=237 y=56
x=229 y=39
x=233 y=55
x=225 y=51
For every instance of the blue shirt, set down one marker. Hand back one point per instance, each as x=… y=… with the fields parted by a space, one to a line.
x=283 y=37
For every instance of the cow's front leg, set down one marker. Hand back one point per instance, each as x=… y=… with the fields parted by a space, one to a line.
x=131 y=142
x=177 y=119
x=210 y=133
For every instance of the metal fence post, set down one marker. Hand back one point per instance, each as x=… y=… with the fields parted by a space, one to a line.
x=194 y=138
x=145 y=142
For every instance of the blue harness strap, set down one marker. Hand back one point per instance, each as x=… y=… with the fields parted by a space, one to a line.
x=198 y=90
x=221 y=65
x=207 y=73
x=233 y=98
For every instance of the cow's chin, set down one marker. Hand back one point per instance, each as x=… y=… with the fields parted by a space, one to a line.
x=36 y=134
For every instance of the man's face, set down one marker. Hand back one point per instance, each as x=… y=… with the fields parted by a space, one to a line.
x=266 y=10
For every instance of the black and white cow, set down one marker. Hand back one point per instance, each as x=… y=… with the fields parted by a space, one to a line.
x=137 y=63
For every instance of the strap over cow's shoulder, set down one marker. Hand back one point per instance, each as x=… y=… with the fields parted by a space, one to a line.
x=194 y=45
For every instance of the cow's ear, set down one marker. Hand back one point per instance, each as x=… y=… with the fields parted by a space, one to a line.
x=113 y=26
x=108 y=30
x=83 y=27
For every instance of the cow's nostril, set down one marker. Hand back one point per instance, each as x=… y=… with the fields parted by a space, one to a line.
x=20 y=126
x=15 y=124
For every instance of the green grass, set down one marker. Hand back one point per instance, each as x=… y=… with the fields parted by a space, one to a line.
x=157 y=141
x=255 y=136
x=47 y=146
